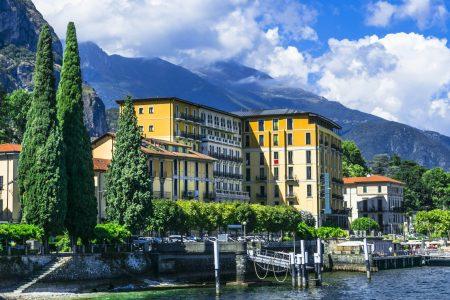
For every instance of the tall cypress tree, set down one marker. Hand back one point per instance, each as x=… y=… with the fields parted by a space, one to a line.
x=128 y=194
x=81 y=202
x=41 y=165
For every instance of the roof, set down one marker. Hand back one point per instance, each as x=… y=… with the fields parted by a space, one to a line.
x=101 y=164
x=283 y=112
x=10 y=148
x=181 y=100
x=371 y=179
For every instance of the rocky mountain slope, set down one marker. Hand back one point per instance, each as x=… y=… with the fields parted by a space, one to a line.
x=232 y=87
x=20 y=23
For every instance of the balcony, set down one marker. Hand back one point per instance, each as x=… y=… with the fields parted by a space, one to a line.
x=190 y=118
x=261 y=178
x=190 y=136
x=260 y=196
x=222 y=156
x=228 y=175
x=291 y=196
x=232 y=195
x=292 y=179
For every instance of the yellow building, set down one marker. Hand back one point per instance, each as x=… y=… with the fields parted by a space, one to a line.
x=294 y=158
x=207 y=130
x=9 y=186
x=176 y=171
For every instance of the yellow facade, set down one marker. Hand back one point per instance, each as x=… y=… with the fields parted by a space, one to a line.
x=285 y=162
x=9 y=188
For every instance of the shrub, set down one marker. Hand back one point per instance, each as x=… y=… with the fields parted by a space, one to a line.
x=364 y=224
x=327 y=233
x=19 y=233
x=111 y=233
x=305 y=232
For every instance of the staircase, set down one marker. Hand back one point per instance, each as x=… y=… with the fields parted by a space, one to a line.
x=47 y=270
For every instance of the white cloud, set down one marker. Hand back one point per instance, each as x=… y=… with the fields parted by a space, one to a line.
x=395 y=77
x=425 y=13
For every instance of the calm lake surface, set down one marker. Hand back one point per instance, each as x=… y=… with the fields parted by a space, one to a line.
x=414 y=283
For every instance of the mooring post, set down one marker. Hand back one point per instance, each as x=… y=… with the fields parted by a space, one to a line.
x=318 y=263
x=292 y=266
x=304 y=254
x=366 y=258
x=217 y=266
x=298 y=263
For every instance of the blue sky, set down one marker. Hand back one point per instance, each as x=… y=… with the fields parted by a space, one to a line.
x=386 y=57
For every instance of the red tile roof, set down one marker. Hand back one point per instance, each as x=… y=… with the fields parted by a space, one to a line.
x=101 y=164
x=370 y=179
x=4 y=148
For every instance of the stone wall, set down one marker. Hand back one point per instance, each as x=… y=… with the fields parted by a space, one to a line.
x=22 y=266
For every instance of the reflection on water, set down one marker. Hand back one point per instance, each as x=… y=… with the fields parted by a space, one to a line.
x=414 y=283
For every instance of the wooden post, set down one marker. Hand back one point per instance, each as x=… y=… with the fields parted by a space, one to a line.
x=366 y=258
x=217 y=266
x=292 y=263
x=298 y=263
x=304 y=271
x=318 y=263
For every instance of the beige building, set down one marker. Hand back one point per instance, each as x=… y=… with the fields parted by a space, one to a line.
x=9 y=186
x=294 y=158
x=176 y=171
x=378 y=197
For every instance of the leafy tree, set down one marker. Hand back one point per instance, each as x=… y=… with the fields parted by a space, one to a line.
x=128 y=196
x=19 y=233
x=110 y=233
x=211 y=214
x=305 y=232
x=42 y=177
x=380 y=164
x=245 y=213
x=434 y=223
x=81 y=215
x=365 y=224
x=327 y=233
x=167 y=216
x=437 y=182
x=353 y=163
x=415 y=194
x=13 y=111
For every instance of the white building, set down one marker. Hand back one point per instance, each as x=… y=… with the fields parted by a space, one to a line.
x=378 y=197
x=221 y=138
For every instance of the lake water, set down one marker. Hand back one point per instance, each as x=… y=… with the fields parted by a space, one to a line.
x=414 y=283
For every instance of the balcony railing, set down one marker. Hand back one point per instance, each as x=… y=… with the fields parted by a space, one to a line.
x=291 y=196
x=292 y=178
x=228 y=175
x=191 y=118
x=232 y=195
x=222 y=156
x=192 y=136
x=261 y=196
x=261 y=178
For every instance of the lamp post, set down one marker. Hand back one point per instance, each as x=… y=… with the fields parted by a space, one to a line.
x=245 y=236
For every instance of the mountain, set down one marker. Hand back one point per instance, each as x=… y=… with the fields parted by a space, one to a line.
x=232 y=86
x=20 y=23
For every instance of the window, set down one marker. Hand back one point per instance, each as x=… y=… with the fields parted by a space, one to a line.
x=261 y=158
x=1 y=186
x=185 y=168
x=275 y=173
x=206 y=170
x=289 y=123
x=275 y=124
x=291 y=172
x=150 y=110
x=308 y=190
x=150 y=171
x=275 y=139
x=262 y=190
x=308 y=138
x=345 y=191
x=186 y=111
x=308 y=173
x=196 y=186
x=261 y=125
x=247 y=159
x=247 y=174
x=247 y=126
x=275 y=158
x=247 y=141
x=141 y=110
x=262 y=174
x=290 y=157
x=150 y=128
x=276 y=192
x=308 y=156
x=364 y=189
x=161 y=170
x=290 y=190
x=261 y=140
x=276 y=203
x=289 y=139
x=379 y=189
x=196 y=169
x=141 y=128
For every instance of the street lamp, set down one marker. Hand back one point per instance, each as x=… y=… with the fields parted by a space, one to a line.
x=244 y=224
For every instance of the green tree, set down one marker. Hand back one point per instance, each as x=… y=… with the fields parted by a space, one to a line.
x=353 y=163
x=128 y=195
x=110 y=233
x=364 y=224
x=434 y=223
x=327 y=233
x=81 y=202
x=437 y=182
x=167 y=216
x=380 y=164
x=42 y=177
x=305 y=232
x=13 y=111
x=245 y=213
